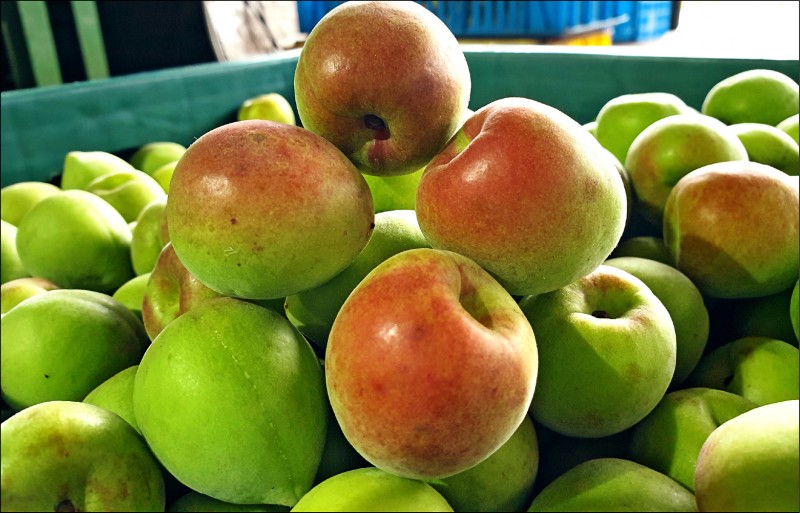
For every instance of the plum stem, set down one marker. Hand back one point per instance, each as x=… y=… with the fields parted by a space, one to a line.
x=377 y=124
x=601 y=314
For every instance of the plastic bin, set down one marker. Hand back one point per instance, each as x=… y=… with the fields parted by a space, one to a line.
x=646 y=20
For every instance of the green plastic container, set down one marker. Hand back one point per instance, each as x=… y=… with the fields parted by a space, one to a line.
x=117 y=115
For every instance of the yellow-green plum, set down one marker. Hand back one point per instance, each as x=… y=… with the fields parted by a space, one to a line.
x=613 y=484
x=193 y=501
x=147 y=237
x=643 y=246
x=751 y=462
x=606 y=353
x=269 y=106
x=372 y=489
x=501 y=482
x=671 y=148
x=753 y=96
x=339 y=455
x=418 y=88
x=769 y=145
x=318 y=216
x=231 y=399
x=669 y=439
x=394 y=192
x=683 y=302
x=591 y=127
x=163 y=175
x=131 y=293
x=794 y=310
x=62 y=344
x=76 y=240
x=152 y=156
x=116 y=395
x=18 y=198
x=761 y=369
x=127 y=191
x=81 y=167
x=314 y=310
x=523 y=190
x=624 y=117
x=16 y=291
x=71 y=456
x=790 y=126
x=430 y=365
x=729 y=251
x=11 y=266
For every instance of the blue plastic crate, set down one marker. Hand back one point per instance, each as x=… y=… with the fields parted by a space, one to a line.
x=646 y=20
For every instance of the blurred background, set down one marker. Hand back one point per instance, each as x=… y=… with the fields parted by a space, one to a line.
x=55 y=42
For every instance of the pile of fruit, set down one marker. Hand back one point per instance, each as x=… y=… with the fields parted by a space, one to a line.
x=401 y=304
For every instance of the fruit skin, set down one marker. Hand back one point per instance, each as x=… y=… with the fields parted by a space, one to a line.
x=539 y=205
x=501 y=482
x=605 y=328
x=790 y=126
x=163 y=175
x=753 y=96
x=393 y=64
x=193 y=501
x=430 y=365
x=127 y=191
x=685 y=306
x=228 y=366
x=16 y=291
x=769 y=145
x=643 y=246
x=669 y=439
x=76 y=240
x=371 y=489
x=116 y=395
x=81 y=167
x=131 y=293
x=147 y=239
x=748 y=455
x=12 y=267
x=613 y=484
x=314 y=310
x=151 y=156
x=270 y=106
x=794 y=310
x=19 y=198
x=761 y=369
x=624 y=117
x=63 y=344
x=318 y=218
x=671 y=148
x=394 y=192
x=170 y=292
x=743 y=253
x=63 y=454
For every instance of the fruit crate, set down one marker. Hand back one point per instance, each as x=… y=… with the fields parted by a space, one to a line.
x=40 y=125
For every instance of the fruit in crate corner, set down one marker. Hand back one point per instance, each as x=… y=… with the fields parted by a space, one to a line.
x=372 y=489
x=152 y=156
x=624 y=117
x=744 y=252
x=81 y=167
x=669 y=439
x=18 y=198
x=475 y=196
x=116 y=394
x=386 y=82
x=148 y=236
x=270 y=106
x=769 y=145
x=750 y=463
x=16 y=291
x=671 y=148
x=11 y=266
x=76 y=240
x=127 y=191
x=430 y=365
x=313 y=311
x=613 y=484
x=47 y=355
x=606 y=353
x=228 y=366
x=790 y=126
x=318 y=218
x=753 y=96
x=71 y=456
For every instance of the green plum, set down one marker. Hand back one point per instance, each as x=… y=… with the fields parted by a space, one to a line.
x=753 y=96
x=131 y=293
x=643 y=246
x=147 y=238
x=153 y=155
x=193 y=501
x=793 y=310
x=769 y=145
x=19 y=198
x=11 y=266
x=268 y=106
x=127 y=191
x=82 y=167
x=16 y=291
x=790 y=126
x=116 y=394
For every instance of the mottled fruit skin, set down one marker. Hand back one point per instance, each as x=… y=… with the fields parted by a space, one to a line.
x=732 y=228
x=527 y=193
x=430 y=365
x=282 y=210
x=386 y=82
